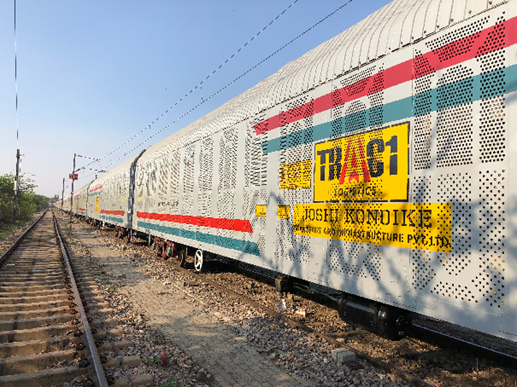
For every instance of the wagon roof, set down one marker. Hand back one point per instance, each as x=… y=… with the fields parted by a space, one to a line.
x=392 y=27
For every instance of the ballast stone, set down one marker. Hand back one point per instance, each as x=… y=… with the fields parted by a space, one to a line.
x=342 y=355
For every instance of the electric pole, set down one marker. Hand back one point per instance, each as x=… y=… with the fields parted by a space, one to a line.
x=16 y=183
x=63 y=193
x=72 y=194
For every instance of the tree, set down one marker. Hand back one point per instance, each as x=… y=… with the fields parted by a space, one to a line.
x=28 y=201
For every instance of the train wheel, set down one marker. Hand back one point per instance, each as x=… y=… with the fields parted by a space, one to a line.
x=198 y=260
x=180 y=259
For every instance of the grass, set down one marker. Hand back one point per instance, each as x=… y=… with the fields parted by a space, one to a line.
x=6 y=231
x=70 y=235
x=172 y=382
x=157 y=362
x=110 y=287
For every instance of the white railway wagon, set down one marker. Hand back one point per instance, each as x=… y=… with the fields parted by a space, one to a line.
x=80 y=201
x=377 y=164
x=94 y=198
x=111 y=196
x=66 y=203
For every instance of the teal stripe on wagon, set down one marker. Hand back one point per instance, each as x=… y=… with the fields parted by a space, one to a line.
x=229 y=243
x=111 y=219
x=454 y=94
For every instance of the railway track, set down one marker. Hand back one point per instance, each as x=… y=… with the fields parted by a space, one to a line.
x=417 y=330
x=376 y=362
x=7 y=243
x=52 y=315
x=422 y=343
x=410 y=359
x=423 y=346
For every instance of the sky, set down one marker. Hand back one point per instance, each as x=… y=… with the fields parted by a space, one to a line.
x=92 y=74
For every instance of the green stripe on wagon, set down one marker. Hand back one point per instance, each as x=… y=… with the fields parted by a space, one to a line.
x=111 y=219
x=229 y=243
x=443 y=97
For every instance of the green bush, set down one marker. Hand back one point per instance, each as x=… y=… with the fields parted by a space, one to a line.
x=28 y=201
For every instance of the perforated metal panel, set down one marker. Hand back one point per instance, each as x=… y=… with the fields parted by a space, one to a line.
x=228 y=160
x=175 y=165
x=252 y=199
x=256 y=160
x=422 y=103
x=355 y=260
x=187 y=184
x=206 y=164
x=458 y=41
x=163 y=177
x=421 y=261
x=437 y=74
x=226 y=198
x=492 y=59
x=492 y=211
x=456 y=188
x=298 y=138
x=356 y=112
x=468 y=128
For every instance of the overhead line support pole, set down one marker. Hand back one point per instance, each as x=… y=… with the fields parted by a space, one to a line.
x=63 y=193
x=72 y=195
x=16 y=184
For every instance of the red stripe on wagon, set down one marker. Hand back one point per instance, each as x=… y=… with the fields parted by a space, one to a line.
x=96 y=189
x=221 y=223
x=112 y=212
x=449 y=55
x=82 y=209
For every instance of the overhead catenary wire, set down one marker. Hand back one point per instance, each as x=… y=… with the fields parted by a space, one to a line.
x=148 y=127
x=227 y=85
x=17 y=173
x=90 y=158
x=16 y=77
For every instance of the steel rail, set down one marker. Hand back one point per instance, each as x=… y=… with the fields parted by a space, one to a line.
x=99 y=371
x=439 y=338
x=446 y=340
x=295 y=324
x=421 y=332
x=13 y=247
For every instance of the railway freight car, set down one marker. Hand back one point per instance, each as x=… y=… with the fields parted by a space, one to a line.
x=66 y=204
x=80 y=201
x=377 y=164
x=110 y=197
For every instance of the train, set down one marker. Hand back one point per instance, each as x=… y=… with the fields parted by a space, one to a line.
x=378 y=164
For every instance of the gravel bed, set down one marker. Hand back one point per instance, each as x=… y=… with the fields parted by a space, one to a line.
x=297 y=352
x=485 y=340
x=15 y=234
x=161 y=358
x=433 y=364
x=303 y=354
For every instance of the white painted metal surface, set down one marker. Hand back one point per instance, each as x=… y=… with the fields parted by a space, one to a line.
x=407 y=115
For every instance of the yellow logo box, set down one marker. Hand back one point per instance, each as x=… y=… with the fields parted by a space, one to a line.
x=282 y=211
x=260 y=210
x=296 y=175
x=425 y=226
x=370 y=166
